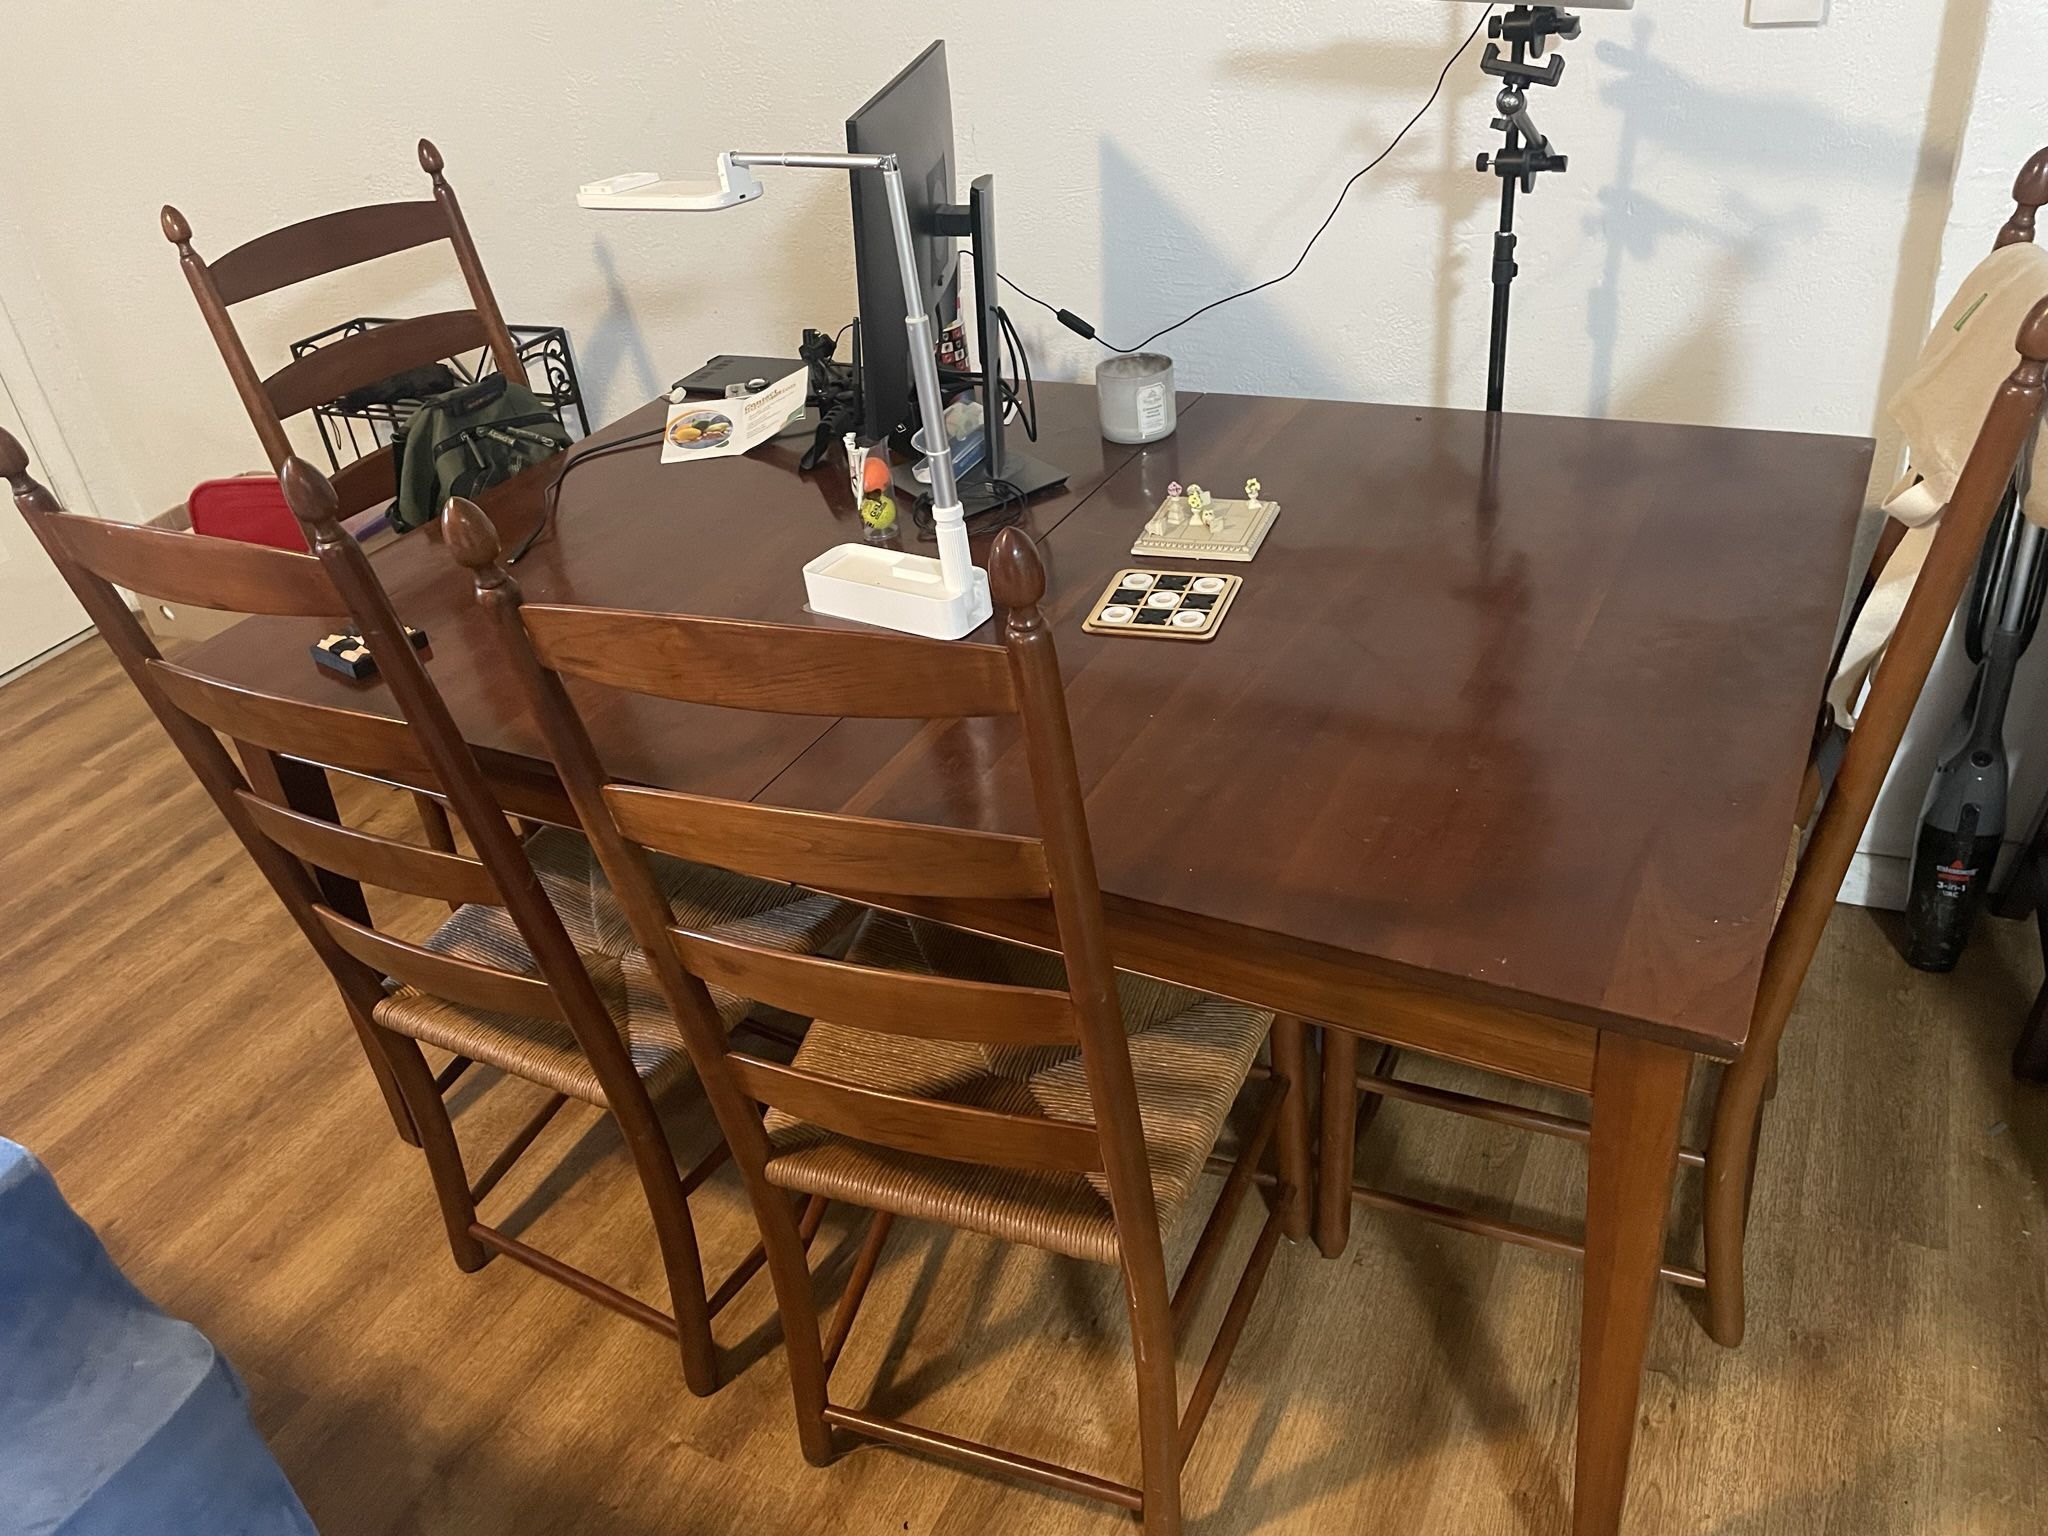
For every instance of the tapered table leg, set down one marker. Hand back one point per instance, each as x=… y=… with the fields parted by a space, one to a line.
x=1339 y=1140
x=1638 y=1094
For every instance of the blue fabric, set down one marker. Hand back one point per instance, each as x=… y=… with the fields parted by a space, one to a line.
x=115 y=1420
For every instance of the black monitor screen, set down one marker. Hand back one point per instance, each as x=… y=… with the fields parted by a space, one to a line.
x=911 y=118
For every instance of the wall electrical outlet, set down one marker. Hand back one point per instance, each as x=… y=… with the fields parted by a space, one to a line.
x=1788 y=13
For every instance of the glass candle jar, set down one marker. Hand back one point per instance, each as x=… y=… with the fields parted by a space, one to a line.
x=1135 y=396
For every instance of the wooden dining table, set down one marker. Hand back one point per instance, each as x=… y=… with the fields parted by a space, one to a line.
x=1494 y=757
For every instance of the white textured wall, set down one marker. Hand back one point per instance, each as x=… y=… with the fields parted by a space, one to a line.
x=2007 y=125
x=1749 y=227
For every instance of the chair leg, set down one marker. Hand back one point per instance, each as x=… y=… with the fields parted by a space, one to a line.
x=1158 y=1390
x=1730 y=1173
x=655 y=1161
x=1290 y=1060
x=437 y=1141
x=1339 y=1140
x=790 y=1271
x=435 y=827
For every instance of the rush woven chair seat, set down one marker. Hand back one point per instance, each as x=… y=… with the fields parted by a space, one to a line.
x=1189 y=1054
x=1046 y=1099
x=505 y=980
x=544 y=1050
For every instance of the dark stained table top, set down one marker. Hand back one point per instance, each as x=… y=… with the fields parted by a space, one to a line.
x=1520 y=703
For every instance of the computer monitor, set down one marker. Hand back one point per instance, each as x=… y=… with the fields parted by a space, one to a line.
x=911 y=118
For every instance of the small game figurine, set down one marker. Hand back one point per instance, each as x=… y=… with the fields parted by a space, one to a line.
x=1251 y=497
x=877 y=506
x=1164 y=518
x=1201 y=509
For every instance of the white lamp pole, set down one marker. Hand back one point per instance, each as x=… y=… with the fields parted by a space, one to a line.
x=945 y=598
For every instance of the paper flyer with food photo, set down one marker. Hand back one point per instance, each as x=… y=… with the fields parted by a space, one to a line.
x=715 y=428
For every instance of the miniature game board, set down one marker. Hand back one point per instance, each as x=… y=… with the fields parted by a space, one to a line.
x=1168 y=605
x=1184 y=529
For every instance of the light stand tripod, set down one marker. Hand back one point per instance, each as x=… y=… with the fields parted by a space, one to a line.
x=1525 y=155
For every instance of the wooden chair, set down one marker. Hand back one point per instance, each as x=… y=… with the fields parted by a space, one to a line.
x=1066 y=1106
x=1729 y=1156
x=330 y=243
x=314 y=248
x=535 y=973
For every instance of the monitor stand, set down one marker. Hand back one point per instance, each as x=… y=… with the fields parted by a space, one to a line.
x=1002 y=464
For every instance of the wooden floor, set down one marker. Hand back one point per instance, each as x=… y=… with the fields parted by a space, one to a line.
x=168 y=1046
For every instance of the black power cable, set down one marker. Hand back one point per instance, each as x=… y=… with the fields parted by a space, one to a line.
x=1083 y=328
x=553 y=493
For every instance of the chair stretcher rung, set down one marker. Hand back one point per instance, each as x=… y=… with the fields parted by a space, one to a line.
x=987 y=1458
x=1496 y=1111
x=1228 y=1331
x=515 y=1149
x=1201 y=1265
x=582 y=1284
x=864 y=1262
x=1506 y=1231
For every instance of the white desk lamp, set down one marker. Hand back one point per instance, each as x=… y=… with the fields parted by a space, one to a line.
x=943 y=598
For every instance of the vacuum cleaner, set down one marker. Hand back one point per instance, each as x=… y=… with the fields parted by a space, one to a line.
x=1962 y=821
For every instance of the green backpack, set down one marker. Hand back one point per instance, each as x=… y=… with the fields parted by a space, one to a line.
x=467 y=440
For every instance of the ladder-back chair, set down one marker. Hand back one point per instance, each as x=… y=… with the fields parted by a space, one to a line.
x=317 y=247
x=314 y=248
x=947 y=1078
x=503 y=981
x=1728 y=1157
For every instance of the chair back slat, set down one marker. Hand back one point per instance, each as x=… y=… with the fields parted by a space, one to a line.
x=889 y=1002
x=176 y=567
x=368 y=859
x=336 y=367
x=317 y=246
x=956 y=1132
x=459 y=981
x=774 y=668
x=367 y=482
x=992 y=1117
x=834 y=853
x=318 y=733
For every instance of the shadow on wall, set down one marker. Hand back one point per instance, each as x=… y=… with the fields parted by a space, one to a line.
x=1377 y=71
x=612 y=355
x=1762 y=141
x=1158 y=265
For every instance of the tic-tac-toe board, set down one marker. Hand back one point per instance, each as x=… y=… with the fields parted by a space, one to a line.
x=1169 y=605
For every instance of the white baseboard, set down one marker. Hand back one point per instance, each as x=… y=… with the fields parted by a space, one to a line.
x=1877 y=880
x=50 y=655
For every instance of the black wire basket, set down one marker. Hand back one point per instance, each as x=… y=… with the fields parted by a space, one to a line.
x=364 y=424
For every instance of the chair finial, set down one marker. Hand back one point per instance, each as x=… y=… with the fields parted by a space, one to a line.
x=176 y=229
x=2031 y=185
x=311 y=497
x=473 y=540
x=430 y=159
x=1016 y=577
x=2033 y=342
x=30 y=494
x=13 y=458
x=2029 y=193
